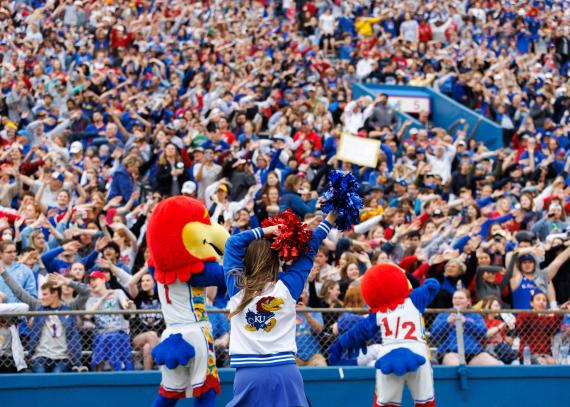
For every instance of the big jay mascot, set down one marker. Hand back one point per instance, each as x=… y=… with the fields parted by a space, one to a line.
x=396 y=311
x=185 y=248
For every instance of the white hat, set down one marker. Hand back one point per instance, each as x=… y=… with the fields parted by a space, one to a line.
x=76 y=147
x=189 y=187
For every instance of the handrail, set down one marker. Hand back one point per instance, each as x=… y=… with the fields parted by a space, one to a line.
x=219 y=311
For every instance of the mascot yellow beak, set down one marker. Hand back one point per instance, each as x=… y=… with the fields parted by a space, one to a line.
x=204 y=241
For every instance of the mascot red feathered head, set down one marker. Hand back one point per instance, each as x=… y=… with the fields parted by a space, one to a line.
x=384 y=286
x=181 y=237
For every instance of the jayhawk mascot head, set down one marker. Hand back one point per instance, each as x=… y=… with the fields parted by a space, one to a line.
x=385 y=286
x=181 y=237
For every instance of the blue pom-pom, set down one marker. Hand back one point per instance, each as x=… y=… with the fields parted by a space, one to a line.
x=174 y=351
x=342 y=197
x=399 y=362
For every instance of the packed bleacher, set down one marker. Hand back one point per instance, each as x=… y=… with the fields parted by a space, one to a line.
x=109 y=107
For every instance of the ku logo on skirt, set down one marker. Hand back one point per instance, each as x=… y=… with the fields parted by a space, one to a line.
x=264 y=315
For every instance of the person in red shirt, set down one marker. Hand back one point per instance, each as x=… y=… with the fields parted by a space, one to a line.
x=306 y=133
x=224 y=128
x=536 y=331
x=497 y=341
x=424 y=30
x=120 y=37
x=399 y=59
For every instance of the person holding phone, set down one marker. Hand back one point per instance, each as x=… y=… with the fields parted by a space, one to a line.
x=554 y=222
x=206 y=172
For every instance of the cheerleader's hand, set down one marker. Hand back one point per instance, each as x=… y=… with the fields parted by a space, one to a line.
x=271 y=230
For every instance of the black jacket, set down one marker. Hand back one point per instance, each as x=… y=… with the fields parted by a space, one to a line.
x=164 y=179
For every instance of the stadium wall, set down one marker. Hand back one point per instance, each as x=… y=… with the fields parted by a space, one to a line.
x=444 y=111
x=508 y=386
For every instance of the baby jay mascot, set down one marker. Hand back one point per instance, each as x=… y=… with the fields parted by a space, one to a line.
x=184 y=249
x=396 y=311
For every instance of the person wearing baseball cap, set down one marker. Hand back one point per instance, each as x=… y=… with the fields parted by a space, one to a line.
x=50 y=191
x=98 y=274
x=76 y=151
x=526 y=276
x=111 y=334
x=76 y=148
x=189 y=189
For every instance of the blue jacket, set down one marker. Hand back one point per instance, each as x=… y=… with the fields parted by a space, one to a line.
x=296 y=275
x=121 y=185
x=474 y=329
x=55 y=265
x=293 y=200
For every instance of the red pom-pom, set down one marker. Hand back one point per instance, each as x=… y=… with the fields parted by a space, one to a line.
x=293 y=238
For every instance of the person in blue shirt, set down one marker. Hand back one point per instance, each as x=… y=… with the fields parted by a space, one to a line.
x=459 y=91
x=21 y=273
x=60 y=259
x=346 y=50
x=443 y=330
x=346 y=23
x=292 y=199
x=531 y=157
x=216 y=142
x=309 y=326
x=82 y=56
x=523 y=41
x=247 y=134
x=389 y=25
x=125 y=179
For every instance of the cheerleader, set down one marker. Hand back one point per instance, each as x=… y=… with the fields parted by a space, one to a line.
x=262 y=314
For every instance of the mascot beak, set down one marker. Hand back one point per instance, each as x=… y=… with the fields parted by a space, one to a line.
x=204 y=241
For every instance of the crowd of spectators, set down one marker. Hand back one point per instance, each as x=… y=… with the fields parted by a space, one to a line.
x=108 y=107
